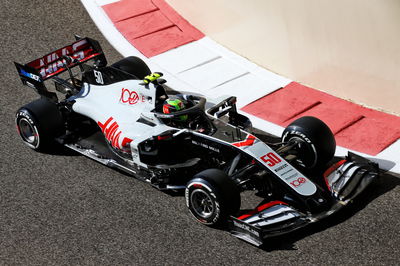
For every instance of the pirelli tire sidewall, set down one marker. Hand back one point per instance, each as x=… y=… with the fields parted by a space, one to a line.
x=320 y=144
x=220 y=189
x=43 y=118
x=25 y=120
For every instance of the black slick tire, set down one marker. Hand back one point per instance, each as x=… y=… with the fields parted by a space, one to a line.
x=211 y=196
x=38 y=123
x=317 y=144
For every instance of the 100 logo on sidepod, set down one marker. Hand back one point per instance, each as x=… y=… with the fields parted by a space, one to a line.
x=130 y=97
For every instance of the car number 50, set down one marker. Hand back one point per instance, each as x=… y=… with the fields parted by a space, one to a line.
x=98 y=76
x=271 y=159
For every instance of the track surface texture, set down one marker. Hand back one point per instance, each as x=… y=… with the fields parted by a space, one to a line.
x=65 y=209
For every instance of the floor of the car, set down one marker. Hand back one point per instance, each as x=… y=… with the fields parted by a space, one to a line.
x=97 y=143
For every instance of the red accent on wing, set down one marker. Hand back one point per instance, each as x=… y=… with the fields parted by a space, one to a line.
x=330 y=170
x=247 y=142
x=261 y=208
x=53 y=63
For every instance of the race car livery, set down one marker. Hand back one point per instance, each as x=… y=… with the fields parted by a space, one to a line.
x=121 y=116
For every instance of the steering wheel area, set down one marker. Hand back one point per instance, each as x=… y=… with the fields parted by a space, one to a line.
x=198 y=122
x=197 y=108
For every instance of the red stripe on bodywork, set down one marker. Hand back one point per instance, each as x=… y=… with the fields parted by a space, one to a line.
x=261 y=208
x=247 y=142
x=103 y=126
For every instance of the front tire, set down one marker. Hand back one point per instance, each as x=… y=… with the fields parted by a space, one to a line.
x=211 y=196
x=38 y=123
x=316 y=143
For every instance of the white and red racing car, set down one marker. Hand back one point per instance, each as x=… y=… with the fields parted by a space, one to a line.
x=122 y=116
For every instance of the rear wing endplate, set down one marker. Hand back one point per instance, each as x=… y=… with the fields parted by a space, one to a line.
x=34 y=73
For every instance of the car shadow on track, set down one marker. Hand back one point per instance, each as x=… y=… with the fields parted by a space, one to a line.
x=386 y=183
x=60 y=150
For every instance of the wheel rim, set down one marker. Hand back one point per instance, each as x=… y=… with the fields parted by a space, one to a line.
x=202 y=203
x=28 y=132
x=309 y=158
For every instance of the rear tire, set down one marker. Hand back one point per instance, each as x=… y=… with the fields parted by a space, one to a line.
x=134 y=66
x=317 y=144
x=38 y=123
x=211 y=197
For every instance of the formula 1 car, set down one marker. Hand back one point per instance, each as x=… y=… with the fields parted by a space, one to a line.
x=116 y=115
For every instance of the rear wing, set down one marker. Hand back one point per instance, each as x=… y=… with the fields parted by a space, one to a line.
x=34 y=73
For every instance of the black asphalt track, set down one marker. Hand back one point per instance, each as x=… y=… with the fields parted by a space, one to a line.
x=66 y=209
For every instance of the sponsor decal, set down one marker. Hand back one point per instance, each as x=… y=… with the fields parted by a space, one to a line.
x=36 y=142
x=24 y=114
x=130 y=97
x=281 y=167
x=112 y=133
x=205 y=146
x=29 y=75
x=298 y=182
x=58 y=65
x=187 y=196
x=246 y=228
x=291 y=176
x=53 y=62
x=30 y=85
x=298 y=133
x=286 y=172
x=271 y=159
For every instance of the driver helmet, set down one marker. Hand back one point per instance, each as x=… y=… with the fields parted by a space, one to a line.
x=173 y=105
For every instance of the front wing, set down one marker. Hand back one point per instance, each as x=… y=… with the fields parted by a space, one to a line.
x=345 y=180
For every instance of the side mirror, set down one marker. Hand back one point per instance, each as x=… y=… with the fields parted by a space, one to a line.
x=241 y=121
x=223 y=111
